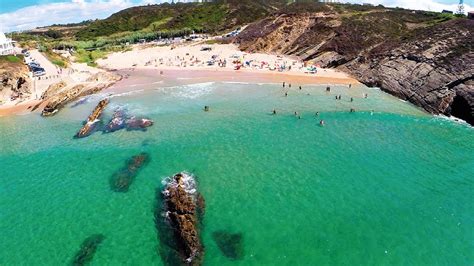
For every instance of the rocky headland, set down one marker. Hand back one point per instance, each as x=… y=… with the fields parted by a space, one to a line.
x=421 y=57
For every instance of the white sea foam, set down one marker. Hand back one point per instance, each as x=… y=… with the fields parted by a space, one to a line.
x=453 y=119
x=126 y=93
x=188 y=184
x=190 y=91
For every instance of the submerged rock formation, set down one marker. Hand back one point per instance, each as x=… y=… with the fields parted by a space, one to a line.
x=230 y=244
x=182 y=206
x=88 y=249
x=121 y=181
x=422 y=57
x=87 y=129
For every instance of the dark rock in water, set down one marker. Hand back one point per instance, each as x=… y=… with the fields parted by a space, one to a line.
x=90 y=125
x=231 y=244
x=117 y=122
x=88 y=249
x=181 y=207
x=120 y=120
x=121 y=181
x=138 y=123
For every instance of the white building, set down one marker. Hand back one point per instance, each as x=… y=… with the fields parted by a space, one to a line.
x=6 y=45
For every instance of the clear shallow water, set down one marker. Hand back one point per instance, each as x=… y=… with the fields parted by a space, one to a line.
x=394 y=187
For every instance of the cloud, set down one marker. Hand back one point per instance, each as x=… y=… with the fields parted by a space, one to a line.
x=429 y=5
x=64 y=12
x=79 y=10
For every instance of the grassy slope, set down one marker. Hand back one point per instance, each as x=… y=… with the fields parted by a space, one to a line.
x=201 y=17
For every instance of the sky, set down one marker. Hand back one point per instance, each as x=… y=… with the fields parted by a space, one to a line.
x=17 y=15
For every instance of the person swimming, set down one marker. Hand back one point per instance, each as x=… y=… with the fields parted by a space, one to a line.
x=317 y=113
x=206 y=108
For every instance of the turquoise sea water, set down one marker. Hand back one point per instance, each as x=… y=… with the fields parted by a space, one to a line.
x=392 y=187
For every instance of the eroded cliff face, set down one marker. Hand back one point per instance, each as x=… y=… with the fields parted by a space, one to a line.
x=414 y=56
x=14 y=81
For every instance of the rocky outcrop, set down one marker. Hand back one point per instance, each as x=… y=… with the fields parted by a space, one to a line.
x=413 y=55
x=120 y=120
x=14 y=81
x=92 y=120
x=121 y=181
x=182 y=205
x=59 y=100
x=53 y=89
x=435 y=70
x=88 y=249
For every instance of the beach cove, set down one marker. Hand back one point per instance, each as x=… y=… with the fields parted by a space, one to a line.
x=387 y=184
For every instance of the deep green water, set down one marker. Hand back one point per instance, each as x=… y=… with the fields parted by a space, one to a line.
x=390 y=188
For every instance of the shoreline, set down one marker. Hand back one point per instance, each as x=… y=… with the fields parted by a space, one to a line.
x=190 y=64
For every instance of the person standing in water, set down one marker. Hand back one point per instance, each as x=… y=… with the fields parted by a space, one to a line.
x=283 y=84
x=286 y=94
x=274 y=112
x=317 y=113
x=321 y=123
x=352 y=99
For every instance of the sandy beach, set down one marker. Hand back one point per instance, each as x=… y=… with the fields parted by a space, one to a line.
x=227 y=60
x=191 y=63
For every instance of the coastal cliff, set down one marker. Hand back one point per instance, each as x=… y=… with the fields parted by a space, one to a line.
x=14 y=79
x=421 y=57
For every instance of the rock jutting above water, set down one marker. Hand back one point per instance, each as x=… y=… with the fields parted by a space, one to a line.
x=121 y=181
x=230 y=244
x=135 y=123
x=182 y=204
x=88 y=249
x=117 y=122
x=120 y=121
x=87 y=129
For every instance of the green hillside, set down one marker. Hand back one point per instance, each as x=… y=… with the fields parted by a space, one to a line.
x=210 y=17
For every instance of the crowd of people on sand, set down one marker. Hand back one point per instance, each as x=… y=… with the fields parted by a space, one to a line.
x=297 y=115
x=237 y=61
